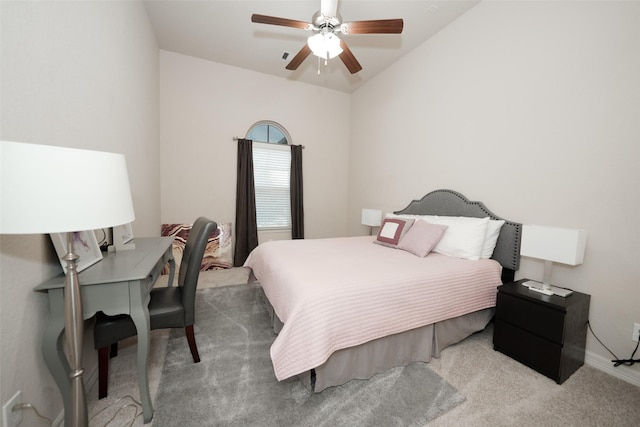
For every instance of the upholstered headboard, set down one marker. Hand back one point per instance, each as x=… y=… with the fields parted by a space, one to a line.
x=452 y=203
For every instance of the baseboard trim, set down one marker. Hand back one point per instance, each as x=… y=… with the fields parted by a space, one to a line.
x=622 y=372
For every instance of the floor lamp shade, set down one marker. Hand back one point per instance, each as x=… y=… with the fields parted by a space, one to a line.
x=48 y=189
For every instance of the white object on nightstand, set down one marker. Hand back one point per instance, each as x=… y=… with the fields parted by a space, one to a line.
x=552 y=244
x=554 y=290
x=372 y=218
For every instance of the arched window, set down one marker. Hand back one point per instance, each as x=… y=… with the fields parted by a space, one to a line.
x=268 y=131
x=271 y=169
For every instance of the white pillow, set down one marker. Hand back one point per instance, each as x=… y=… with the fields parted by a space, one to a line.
x=413 y=217
x=491 y=237
x=463 y=239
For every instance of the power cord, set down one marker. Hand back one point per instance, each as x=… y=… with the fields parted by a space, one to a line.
x=137 y=405
x=104 y=244
x=22 y=406
x=617 y=361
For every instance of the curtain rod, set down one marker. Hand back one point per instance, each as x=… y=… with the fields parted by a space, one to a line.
x=235 y=138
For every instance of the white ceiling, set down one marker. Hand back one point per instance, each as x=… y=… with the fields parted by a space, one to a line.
x=222 y=31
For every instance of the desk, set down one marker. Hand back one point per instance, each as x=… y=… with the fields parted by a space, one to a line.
x=119 y=284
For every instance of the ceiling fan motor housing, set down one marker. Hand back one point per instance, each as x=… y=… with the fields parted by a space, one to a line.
x=330 y=22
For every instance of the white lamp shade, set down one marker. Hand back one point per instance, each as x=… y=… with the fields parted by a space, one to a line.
x=371 y=217
x=562 y=245
x=325 y=45
x=49 y=189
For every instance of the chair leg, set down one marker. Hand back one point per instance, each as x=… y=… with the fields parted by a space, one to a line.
x=103 y=371
x=191 y=339
x=114 y=350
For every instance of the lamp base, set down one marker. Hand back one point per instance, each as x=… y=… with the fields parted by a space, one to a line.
x=121 y=247
x=541 y=290
x=74 y=335
x=547 y=289
x=121 y=240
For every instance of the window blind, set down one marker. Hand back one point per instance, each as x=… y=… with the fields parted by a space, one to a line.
x=271 y=171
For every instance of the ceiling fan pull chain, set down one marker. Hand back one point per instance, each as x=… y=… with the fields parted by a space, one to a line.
x=318 y=65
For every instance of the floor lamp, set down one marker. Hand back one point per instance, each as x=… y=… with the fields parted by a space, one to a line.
x=47 y=189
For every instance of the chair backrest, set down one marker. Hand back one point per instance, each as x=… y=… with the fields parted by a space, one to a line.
x=191 y=262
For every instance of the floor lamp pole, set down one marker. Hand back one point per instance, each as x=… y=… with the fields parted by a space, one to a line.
x=74 y=333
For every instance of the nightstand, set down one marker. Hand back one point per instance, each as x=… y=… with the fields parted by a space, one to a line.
x=546 y=333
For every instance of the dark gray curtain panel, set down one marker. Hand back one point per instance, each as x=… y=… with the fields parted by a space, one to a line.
x=246 y=227
x=297 y=209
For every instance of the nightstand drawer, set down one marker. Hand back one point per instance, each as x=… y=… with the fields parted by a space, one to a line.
x=538 y=319
x=531 y=350
x=546 y=333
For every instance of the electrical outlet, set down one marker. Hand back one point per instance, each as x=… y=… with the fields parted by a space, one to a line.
x=636 y=332
x=12 y=418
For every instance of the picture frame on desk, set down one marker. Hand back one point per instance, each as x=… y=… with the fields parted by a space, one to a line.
x=85 y=246
x=124 y=231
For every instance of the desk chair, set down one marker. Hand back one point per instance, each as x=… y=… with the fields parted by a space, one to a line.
x=169 y=307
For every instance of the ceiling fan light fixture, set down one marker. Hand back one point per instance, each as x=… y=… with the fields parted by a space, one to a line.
x=325 y=45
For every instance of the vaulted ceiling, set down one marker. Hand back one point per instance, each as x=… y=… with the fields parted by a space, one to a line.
x=222 y=31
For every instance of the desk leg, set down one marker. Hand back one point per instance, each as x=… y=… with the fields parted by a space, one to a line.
x=172 y=271
x=53 y=351
x=140 y=315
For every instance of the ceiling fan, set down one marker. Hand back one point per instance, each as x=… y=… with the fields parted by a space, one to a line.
x=326 y=24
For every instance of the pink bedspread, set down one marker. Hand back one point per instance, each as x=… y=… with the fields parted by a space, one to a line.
x=338 y=293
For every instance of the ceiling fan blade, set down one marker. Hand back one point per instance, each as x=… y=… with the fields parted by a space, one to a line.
x=299 y=58
x=376 y=26
x=329 y=7
x=272 y=20
x=349 y=60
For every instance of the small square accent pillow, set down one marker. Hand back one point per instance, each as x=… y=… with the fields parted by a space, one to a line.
x=422 y=237
x=392 y=230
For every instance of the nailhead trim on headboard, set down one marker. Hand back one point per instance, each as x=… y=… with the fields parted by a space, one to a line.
x=451 y=203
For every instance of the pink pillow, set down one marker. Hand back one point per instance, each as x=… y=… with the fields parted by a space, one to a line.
x=392 y=230
x=422 y=238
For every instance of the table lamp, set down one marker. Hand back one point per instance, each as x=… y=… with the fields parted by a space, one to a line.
x=47 y=189
x=552 y=244
x=372 y=218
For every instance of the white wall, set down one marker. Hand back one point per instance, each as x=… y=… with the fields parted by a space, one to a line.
x=479 y=108
x=76 y=74
x=533 y=108
x=204 y=104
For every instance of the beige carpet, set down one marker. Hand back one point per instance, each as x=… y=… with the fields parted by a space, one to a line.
x=499 y=390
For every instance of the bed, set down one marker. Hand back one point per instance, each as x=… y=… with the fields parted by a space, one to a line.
x=346 y=308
